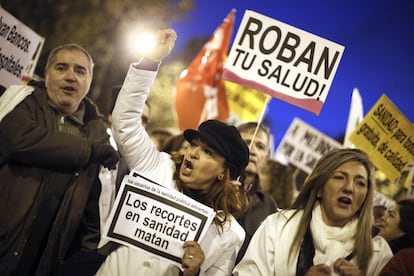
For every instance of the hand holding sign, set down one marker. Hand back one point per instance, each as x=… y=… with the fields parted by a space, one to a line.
x=158 y=220
x=193 y=258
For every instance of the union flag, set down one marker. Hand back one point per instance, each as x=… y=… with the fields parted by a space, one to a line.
x=200 y=91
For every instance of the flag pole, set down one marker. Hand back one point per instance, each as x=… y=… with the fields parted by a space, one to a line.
x=259 y=122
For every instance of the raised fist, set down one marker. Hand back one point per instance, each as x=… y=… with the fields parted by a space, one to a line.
x=164 y=43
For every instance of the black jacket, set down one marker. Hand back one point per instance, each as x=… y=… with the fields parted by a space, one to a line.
x=261 y=205
x=32 y=148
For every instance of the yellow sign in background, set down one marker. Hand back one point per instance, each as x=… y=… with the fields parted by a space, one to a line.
x=387 y=136
x=245 y=102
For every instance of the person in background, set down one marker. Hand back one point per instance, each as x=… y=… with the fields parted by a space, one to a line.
x=401 y=264
x=277 y=180
x=216 y=155
x=177 y=143
x=53 y=142
x=327 y=230
x=160 y=136
x=261 y=204
x=397 y=225
x=378 y=212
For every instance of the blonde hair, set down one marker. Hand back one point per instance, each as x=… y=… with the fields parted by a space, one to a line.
x=316 y=181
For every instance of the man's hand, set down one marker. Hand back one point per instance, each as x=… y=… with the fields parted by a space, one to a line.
x=164 y=43
x=104 y=155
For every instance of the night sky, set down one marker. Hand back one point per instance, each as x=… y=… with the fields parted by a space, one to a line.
x=378 y=58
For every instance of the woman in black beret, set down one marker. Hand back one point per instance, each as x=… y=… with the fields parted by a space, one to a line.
x=216 y=155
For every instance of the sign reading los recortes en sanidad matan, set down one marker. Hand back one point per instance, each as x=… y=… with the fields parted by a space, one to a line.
x=283 y=61
x=388 y=138
x=150 y=217
x=20 y=49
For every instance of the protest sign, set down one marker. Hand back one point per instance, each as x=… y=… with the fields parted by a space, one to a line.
x=283 y=61
x=387 y=137
x=154 y=218
x=19 y=51
x=303 y=145
x=246 y=103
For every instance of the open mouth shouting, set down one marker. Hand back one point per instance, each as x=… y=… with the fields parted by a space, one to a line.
x=68 y=89
x=186 y=167
x=344 y=201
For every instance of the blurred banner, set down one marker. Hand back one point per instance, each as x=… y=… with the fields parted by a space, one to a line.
x=303 y=145
x=245 y=103
x=283 y=61
x=20 y=49
x=408 y=180
x=356 y=114
x=200 y=92
x=387 y=136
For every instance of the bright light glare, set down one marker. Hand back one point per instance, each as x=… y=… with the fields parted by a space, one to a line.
x=183 y=73
x=144 y=43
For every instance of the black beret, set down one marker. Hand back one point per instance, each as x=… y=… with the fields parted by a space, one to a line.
x=226 y=141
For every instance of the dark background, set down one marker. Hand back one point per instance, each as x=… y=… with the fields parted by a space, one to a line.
x=377 y=36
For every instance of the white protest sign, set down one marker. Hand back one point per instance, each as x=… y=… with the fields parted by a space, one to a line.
x=303 y=145
x=20 y=49
x=154 y=218
x=283 y=61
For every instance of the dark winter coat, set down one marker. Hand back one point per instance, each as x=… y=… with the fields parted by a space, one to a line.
x=32 y=148
x=261 y=205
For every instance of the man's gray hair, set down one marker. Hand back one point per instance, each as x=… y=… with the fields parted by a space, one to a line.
x=71 y=46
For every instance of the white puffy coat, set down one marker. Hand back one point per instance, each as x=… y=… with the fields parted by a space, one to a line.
x=134 y=144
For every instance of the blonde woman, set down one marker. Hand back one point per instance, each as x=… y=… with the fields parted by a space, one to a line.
x=328 y=229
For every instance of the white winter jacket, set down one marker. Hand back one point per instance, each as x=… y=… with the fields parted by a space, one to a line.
x=268 y=250
x=141 y=155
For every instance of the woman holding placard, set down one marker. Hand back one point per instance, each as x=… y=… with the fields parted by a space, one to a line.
x=216 y=155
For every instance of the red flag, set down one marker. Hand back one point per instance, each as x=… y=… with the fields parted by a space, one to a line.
x=200 y=92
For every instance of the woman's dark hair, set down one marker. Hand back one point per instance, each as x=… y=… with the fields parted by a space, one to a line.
x=407 y=217
x=173 y=143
